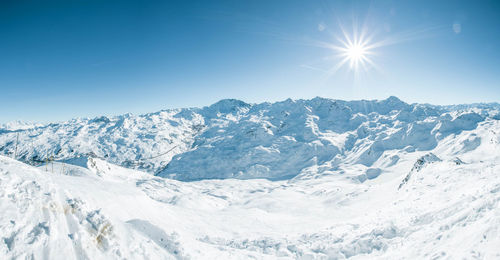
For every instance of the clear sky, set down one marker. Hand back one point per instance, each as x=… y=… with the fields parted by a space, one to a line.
x=65 y=59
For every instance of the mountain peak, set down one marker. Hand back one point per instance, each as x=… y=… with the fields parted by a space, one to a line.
x=394 y=99
x=227 y=106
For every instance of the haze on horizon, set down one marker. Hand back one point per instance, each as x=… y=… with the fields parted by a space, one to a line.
x=65 y=59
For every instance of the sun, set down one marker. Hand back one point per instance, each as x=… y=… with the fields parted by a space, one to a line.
x=354 y=50
x=357 y=54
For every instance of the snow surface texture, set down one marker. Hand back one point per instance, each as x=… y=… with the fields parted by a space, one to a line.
x=306 y=179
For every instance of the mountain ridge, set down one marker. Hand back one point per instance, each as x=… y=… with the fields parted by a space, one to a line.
x=235 y=139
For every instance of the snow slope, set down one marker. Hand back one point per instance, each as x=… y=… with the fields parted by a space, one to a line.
x=449 y=208
x=306 y=179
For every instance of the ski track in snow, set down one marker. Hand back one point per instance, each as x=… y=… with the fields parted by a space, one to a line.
x=307 y=179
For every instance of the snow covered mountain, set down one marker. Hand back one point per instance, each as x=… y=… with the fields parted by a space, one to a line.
x=233 y=139
x=304 y=179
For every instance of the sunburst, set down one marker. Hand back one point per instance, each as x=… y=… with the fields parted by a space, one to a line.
x=354 y=49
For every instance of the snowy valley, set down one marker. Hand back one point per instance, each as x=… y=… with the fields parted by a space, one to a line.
x=297 y=179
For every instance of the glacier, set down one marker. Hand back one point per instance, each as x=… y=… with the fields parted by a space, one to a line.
x=296 y=179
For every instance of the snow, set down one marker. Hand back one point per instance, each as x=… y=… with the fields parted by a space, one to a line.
x=304 y=179
x=233 y=139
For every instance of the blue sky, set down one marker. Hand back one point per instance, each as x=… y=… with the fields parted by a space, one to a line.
x=65 y=59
